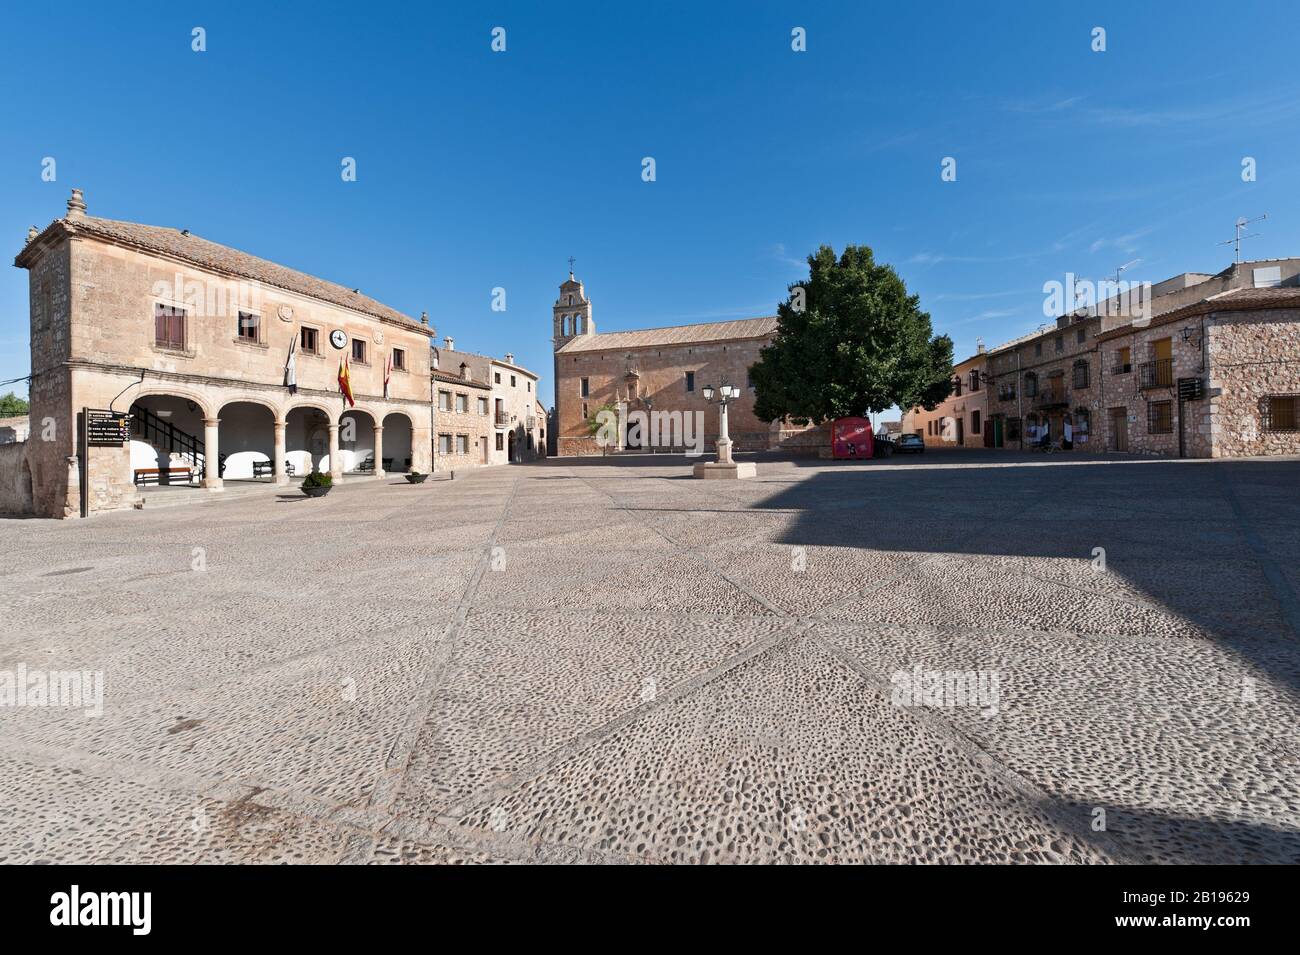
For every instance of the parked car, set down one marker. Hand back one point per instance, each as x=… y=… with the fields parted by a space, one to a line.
x=906 y=443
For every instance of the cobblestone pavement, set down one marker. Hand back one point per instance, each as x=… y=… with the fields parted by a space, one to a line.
x=610 y=662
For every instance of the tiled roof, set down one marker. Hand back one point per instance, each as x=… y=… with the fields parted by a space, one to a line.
x=674 y=335
x=451 y=379
x=220 y=258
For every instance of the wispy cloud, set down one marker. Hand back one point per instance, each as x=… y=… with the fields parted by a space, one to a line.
x=1045 y=105
x=1125 y=243
x=974 y=296
x=778 y=252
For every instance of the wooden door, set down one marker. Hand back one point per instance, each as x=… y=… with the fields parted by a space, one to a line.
x=1119 y=429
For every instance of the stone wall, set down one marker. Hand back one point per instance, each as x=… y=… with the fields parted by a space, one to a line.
x=55 y=491
x=661 y=376
x=1123 y=390
x=517 y=391
x=475 y=425
x=1252 y=355
x=15 y=480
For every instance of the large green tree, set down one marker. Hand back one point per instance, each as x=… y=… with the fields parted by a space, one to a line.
x=851 y=340
x=11 y=405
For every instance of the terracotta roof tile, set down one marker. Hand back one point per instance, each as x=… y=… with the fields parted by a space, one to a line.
x=674 y=335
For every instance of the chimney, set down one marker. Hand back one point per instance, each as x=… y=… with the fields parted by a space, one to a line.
x=449 y=343
x=32 y=233
x=464 y=371
x=424 y=318
x=510 y=358
x=979 y=346
x=76 y=205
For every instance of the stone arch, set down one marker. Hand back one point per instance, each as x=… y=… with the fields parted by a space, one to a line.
x=167 y=432
x=311 y=405
x=357 y=440
x=164 y=390
x=277 y=411
x=246 y=438
x=306 y=437
x=398 y=440
x=26 y=493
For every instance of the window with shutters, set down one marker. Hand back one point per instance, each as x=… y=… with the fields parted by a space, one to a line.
x=169 y=324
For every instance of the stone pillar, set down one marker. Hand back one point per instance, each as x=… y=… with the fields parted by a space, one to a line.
x=336 y=458
x=281 y=475
x=379 y=451
x=211 y=455
x=724 y=438
x=422 y=450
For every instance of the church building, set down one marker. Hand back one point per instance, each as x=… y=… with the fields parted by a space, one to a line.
x=655 y=370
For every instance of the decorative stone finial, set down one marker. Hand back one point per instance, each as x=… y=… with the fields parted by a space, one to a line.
x=424 y=318
x=32 y=233
x=76 y=205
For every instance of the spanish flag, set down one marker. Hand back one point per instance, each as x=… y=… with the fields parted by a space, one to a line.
x=345 y=382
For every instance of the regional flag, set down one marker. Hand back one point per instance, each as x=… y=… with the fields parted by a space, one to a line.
x=291 y=366
x=345 y=382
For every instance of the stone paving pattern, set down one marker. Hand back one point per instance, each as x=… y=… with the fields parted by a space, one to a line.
x=606 y=661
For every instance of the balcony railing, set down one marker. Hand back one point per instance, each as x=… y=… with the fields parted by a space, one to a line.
x=1051 y=396
x=502 y=419
x=1121 y=368
x=1156 y=374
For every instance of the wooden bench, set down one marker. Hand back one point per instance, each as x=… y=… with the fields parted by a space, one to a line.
x=142 y=475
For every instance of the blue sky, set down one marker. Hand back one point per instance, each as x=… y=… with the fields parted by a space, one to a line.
x=479 y=169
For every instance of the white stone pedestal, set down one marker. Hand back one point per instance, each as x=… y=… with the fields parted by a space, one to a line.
x=724 y=471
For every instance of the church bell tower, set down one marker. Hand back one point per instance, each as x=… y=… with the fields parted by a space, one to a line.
x=570 y=317
x=571 y=314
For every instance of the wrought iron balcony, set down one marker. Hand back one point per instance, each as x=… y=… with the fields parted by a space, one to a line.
x=1156 y=374
x=503 y=419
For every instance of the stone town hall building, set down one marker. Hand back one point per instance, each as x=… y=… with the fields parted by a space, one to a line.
x=659 y=370
x=161 y=358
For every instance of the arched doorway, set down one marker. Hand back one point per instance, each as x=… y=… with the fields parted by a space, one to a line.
x=26 y=494
x=306 y=440
x=357 y=442
x=167 y=445
x=397 y=436
x=246 y=442
x=510 y=447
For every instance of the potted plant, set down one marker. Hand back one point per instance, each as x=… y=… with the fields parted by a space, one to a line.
x=415 y=477
x=317 y=484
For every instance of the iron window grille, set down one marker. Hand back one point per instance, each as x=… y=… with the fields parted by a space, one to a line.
x=1282 y=413
x=1160 y=417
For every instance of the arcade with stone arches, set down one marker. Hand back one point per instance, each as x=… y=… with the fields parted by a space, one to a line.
x=205 y=439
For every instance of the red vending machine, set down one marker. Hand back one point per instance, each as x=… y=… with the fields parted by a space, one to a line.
x=851 y=438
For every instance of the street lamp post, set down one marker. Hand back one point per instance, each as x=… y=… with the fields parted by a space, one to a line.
x=726 y=395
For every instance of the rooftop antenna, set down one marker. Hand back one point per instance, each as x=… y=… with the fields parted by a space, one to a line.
x=1241 y=224
x=1124 y=268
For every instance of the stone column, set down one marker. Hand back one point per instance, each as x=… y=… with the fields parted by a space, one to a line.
x=422 y=449
x=724 y=439
x=211 y=455
x=281 y=475
x=379 y=451
x=336 y=458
